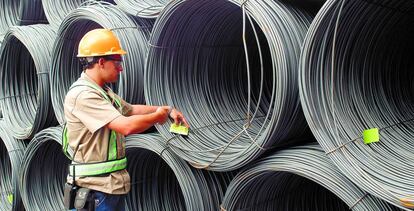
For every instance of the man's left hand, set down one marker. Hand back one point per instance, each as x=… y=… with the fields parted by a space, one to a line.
x=178 y=117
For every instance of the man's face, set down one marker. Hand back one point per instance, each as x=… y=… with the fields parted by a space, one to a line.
x=111 y=67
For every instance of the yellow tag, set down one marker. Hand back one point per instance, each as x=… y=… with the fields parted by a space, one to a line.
x=371 y=135
x=179 y=129
x=408 y=203
x=10 y=198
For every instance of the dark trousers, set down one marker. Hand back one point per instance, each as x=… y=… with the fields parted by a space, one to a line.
x=100 y=201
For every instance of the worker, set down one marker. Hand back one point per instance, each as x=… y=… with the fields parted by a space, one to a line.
x=96 y=122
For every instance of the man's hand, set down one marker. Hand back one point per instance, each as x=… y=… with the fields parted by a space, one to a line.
x=178 y=117
x=162 y=113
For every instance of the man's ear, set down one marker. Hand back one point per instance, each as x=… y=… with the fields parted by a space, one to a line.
x=101 y=61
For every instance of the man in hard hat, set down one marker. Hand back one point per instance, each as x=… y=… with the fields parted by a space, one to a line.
x=96 y=122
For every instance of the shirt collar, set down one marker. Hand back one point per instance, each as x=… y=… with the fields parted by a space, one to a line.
x=84 y=76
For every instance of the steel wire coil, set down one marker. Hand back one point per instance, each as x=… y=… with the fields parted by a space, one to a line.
x=20 y=12
x=9 y=14
x=43 y=171
x=198 y=63
x=1 y=41
x=156 y=181
x=31 y=12
x=25 y=57
x=163 y=181
x=356 y=75
x=56 y=11
x=133 y=34
x=299 y=178
x=11 y=154
x=142 y=8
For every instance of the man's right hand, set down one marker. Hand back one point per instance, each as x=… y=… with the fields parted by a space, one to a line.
x=162 y=112
x=127 y=125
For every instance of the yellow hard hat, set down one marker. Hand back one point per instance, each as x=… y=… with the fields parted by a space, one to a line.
x=99 y=42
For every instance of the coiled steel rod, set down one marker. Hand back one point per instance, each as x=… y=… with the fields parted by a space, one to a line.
x=56 y=11
x=1 y=41
x=43 y=171
x=299 y=178
x=25 y=57
x=163 y=181
x=20 y=12
x=355 y=75
x=31 y=12
x=11 y=154
x=142 y=8
x=240 y=99
x=133 y=34
x=9 y=14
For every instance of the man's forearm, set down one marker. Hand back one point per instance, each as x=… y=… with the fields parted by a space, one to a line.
x=143 y=109
x=140 y=123
x=136 y=123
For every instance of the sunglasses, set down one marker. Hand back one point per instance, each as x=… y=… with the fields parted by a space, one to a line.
x=117 y=63
x=114 y=58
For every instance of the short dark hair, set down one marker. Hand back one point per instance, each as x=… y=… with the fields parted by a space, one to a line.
x=88 y=62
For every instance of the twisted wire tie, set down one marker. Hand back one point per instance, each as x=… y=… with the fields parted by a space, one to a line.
x=147 y=8
x=359 y=200
x=379 y=130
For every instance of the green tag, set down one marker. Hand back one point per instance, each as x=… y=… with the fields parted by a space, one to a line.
x=371 y=135
x=10 y=198
x=179 y=129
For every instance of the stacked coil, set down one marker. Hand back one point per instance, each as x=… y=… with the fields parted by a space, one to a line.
x=295 y=179
x=142 y=8
x=11 y=155
x=9 y=14
x=30 y=12
x=1 y=41
x=132 y=33
x=172 y=183
x=20 y=12
x=168 y=182
x=56 y=11
x=43 y=171
x=355 y=75
x=25 y=58
x=240 y=95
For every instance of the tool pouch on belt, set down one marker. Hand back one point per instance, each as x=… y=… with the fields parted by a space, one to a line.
x=69 y=196
x=84 y=199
